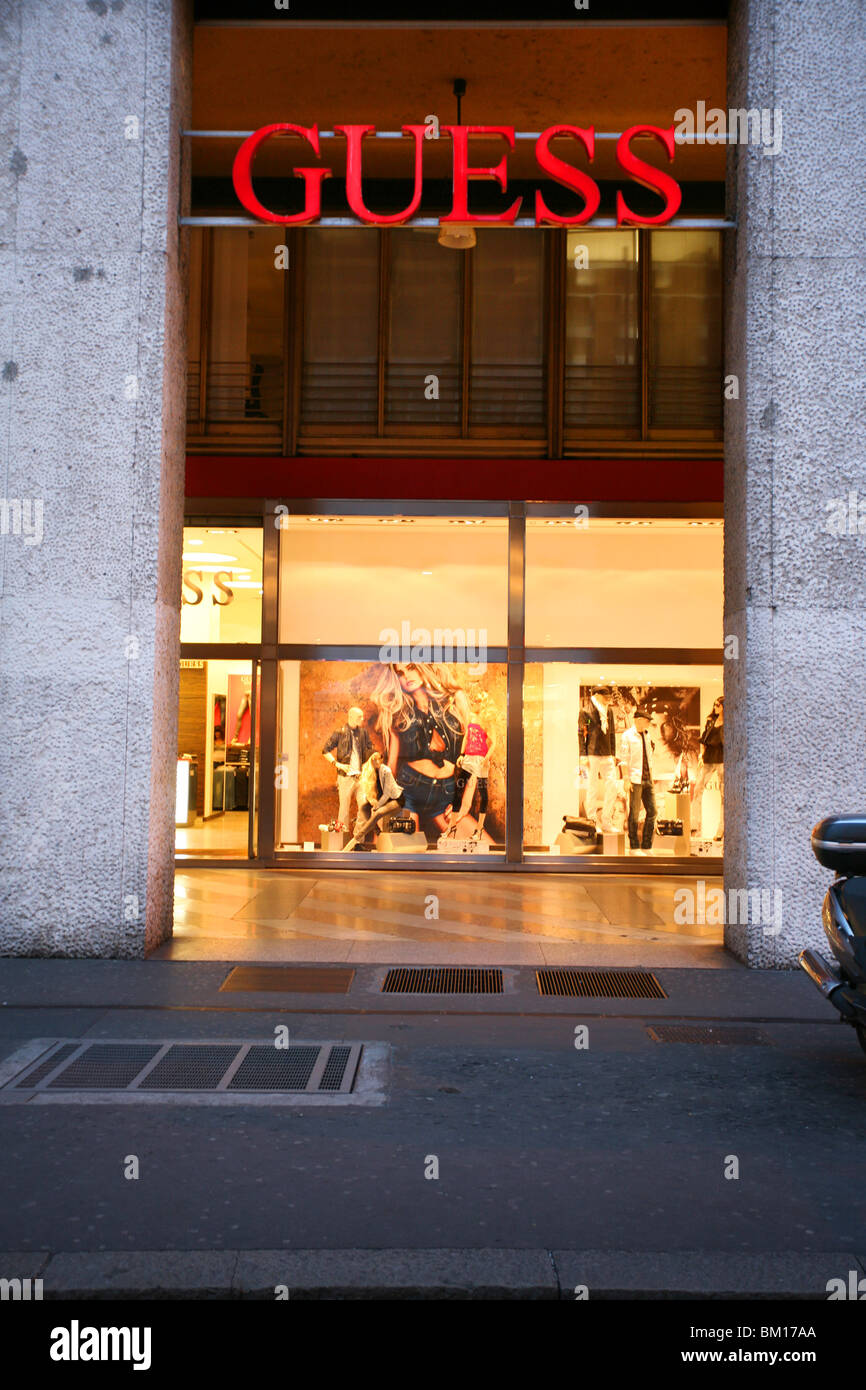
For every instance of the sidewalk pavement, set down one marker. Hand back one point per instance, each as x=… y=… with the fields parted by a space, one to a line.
x=571 y=1275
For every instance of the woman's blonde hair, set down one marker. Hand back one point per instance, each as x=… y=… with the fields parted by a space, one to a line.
x=397 y=708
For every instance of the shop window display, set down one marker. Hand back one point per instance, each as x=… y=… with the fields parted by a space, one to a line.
x=628 y=763
x=396 y=756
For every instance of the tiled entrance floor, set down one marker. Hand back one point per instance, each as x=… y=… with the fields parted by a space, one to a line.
x=519 y=919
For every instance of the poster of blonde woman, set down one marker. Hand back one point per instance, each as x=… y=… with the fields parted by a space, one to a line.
x=441 y=732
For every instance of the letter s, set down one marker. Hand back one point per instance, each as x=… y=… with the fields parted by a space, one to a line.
x=647 y=175
x=189 y=580
x=223 y=588
x=567 y=175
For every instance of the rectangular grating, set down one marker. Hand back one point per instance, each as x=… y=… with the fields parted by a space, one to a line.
x=290 y=979
x=269 y=1068
x=734 y=1035
x=190 y=1067
x=335 y=1069
x=442 y=979
x=221 y=1067
x=599 y=984
x=48 y=1065
x=105 y=1067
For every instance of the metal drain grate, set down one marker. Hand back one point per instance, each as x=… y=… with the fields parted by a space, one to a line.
x=46 y=1067
x=733 y=1035
x=599 y=984
x=103 y=1067
x=442 y=980
x=335 y=1069
x=189 y=1067
x=267 y=1068
x=235 y=1067
x=290 y=979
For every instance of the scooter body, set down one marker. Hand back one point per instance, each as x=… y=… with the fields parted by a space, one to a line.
x=839 y=843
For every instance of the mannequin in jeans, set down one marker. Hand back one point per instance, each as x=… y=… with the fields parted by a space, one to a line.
x=597 y=736
x=637 y=770
x=712 y=765
x=379 y=796
x=348 y=749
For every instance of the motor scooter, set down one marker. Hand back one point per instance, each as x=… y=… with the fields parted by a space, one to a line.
x=839 y=843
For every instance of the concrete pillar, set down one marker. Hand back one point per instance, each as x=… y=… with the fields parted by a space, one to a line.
x=92 y=380
x=795 y=587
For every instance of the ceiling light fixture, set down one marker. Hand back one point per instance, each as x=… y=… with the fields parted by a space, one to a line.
x=459 y=236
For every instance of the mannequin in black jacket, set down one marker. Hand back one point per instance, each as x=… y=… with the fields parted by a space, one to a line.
x=348 y=749
x=597 y=737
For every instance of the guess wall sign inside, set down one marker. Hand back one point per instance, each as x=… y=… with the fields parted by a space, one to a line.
x=550 y=164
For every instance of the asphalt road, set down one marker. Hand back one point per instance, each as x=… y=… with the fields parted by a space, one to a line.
x=623 y=1145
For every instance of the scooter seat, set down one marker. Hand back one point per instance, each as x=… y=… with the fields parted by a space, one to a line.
x=839 y=843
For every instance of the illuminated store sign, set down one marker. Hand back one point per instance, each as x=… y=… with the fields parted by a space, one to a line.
x=550 y=164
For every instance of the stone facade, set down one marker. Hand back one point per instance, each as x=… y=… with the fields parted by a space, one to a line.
x=795 y=592
x=93 y=97
x=92 y=335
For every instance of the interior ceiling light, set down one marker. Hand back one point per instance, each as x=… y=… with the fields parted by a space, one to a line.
x=212 y=555
x=460 y=236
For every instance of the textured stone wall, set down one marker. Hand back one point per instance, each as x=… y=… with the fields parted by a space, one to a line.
x=92 y=98
x=795 y=593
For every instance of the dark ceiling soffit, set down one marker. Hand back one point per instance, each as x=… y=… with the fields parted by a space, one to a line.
x=216 y=196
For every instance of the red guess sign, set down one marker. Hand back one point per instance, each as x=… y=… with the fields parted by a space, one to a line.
x=550 y=164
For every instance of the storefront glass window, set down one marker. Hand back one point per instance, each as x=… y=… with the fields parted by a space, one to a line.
x=380 y=580
x=222 y=584
x=685 y=367
x=602 y=348
x=423 y=376
x=507 y=376
x=217 y=735
x=245 y=350
x=584 y=767
x=438 y=726
x=341 y=330
x=623 y=582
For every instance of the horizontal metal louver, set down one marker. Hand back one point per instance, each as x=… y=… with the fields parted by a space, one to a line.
x=406 y=399
x=602 y=398
x=244 y=391
x=193 y=391
x=506 y=394
x=685 y=398
x=339 y=393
